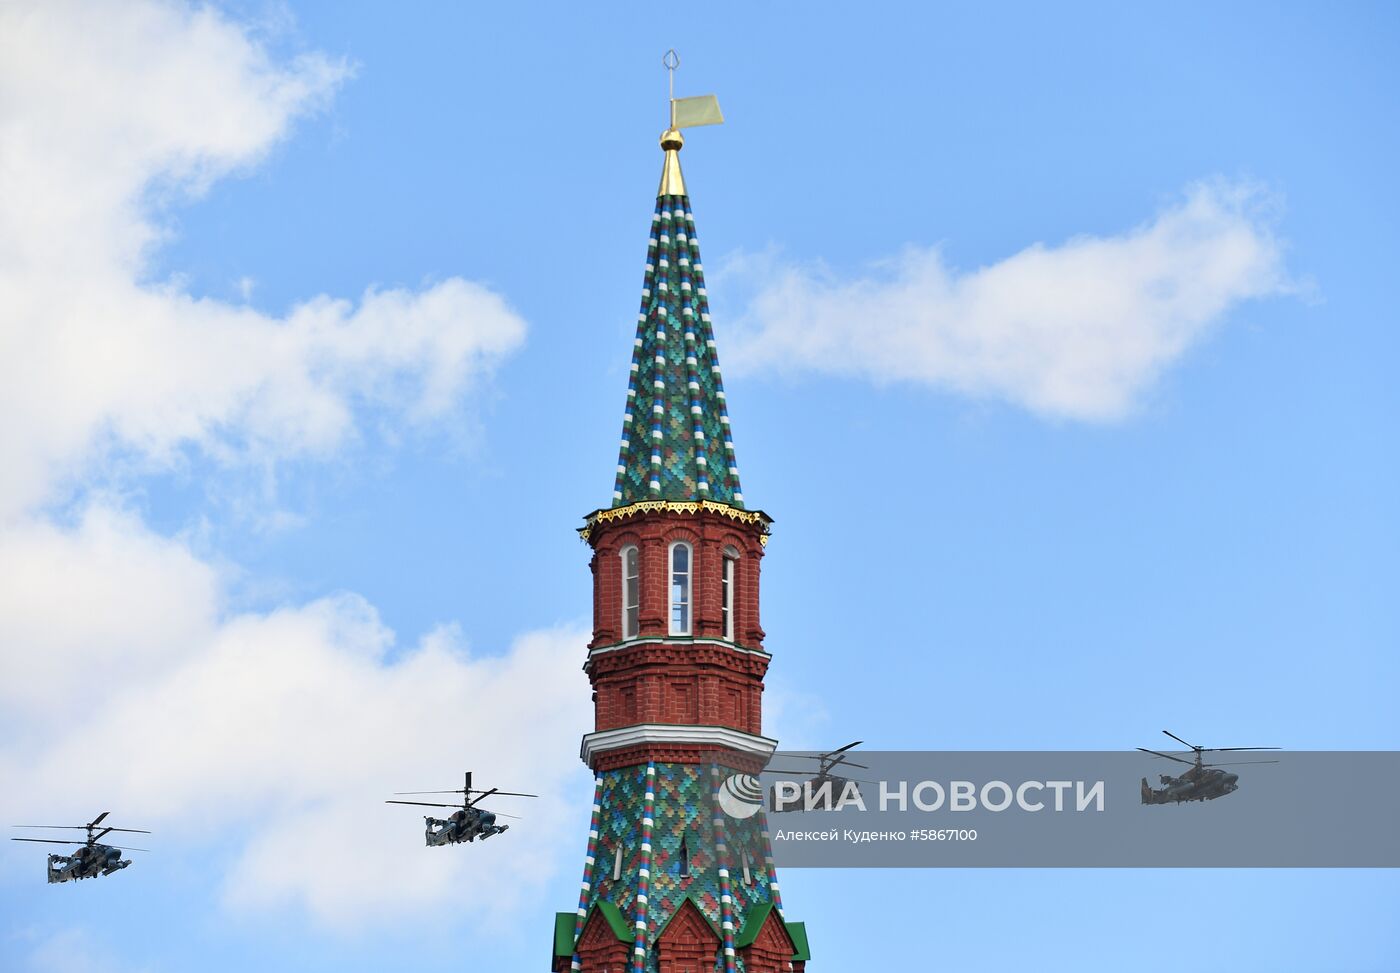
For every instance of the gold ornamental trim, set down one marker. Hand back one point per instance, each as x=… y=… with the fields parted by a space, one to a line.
x=685 y=507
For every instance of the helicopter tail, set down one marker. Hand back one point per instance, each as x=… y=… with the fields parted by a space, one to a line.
x=1146 y=792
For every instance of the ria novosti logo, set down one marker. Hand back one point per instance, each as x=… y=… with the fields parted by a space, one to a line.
x=742 y=796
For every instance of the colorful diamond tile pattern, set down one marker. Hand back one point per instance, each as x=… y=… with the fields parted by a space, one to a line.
x=647 y=811
x=676 y=441
x=589 y=863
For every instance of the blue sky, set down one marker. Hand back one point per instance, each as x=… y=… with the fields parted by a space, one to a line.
x=1058 y=343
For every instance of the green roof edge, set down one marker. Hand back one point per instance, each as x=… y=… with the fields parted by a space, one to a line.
x=753 y=923
x=798 y=932
x=564 y=926
x=614 y=916
x=564 y=933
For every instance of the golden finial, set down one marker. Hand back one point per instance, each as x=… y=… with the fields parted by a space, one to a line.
x=685 y=113
x=672 y=182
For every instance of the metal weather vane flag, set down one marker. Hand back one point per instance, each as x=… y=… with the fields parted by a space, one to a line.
x=694 y=111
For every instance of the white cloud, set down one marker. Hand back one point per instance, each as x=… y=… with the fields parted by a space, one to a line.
x=293 y=725
x=90 y=608
x=74 y=950
x=107 y=114
x=276 y=731
x=1079 y=330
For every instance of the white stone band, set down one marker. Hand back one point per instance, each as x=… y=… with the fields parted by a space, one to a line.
x=684 y=642
x=673 y=733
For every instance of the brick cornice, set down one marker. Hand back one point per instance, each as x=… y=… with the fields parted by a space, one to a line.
x=686 y=654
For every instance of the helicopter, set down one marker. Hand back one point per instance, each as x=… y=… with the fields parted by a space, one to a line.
x=90 y=860
x=468 y=822
x=816 y=796
x=1203 y=782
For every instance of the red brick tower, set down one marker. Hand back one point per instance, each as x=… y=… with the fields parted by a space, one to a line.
x=671 y=883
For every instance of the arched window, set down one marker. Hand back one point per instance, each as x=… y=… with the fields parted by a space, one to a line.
x=680 y=588
x=631 y=592
x=728 y=585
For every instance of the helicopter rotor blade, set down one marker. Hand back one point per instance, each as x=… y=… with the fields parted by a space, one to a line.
x=1179 y=740
x=1238 y=763
x=800 y=756
x=499 y=814
x=843 y=762
x=820 y=758
x=101 y=834
x=815 y=777
x=50 y=841
x=824 y=759
x=54 y=827
x=843 y=749
x=1189 y=763
x=1223 y=749
x=473 y=803
x=421 y=803
x=474 y=790
x=98 y=820
x=75 y=827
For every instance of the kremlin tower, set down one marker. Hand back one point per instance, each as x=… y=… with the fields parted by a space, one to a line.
x=672 y=883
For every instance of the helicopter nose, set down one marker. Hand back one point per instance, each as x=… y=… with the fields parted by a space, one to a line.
x=1231 y=778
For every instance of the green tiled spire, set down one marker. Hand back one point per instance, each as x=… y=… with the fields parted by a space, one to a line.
x=676 y=442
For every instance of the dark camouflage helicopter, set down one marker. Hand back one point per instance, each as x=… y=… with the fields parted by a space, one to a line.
x=822 y=800
x=1203 y=782
x=90 y=860
x=468 y=822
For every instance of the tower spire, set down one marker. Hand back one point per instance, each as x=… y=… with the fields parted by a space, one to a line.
x=676 y=661
x=676 y=444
